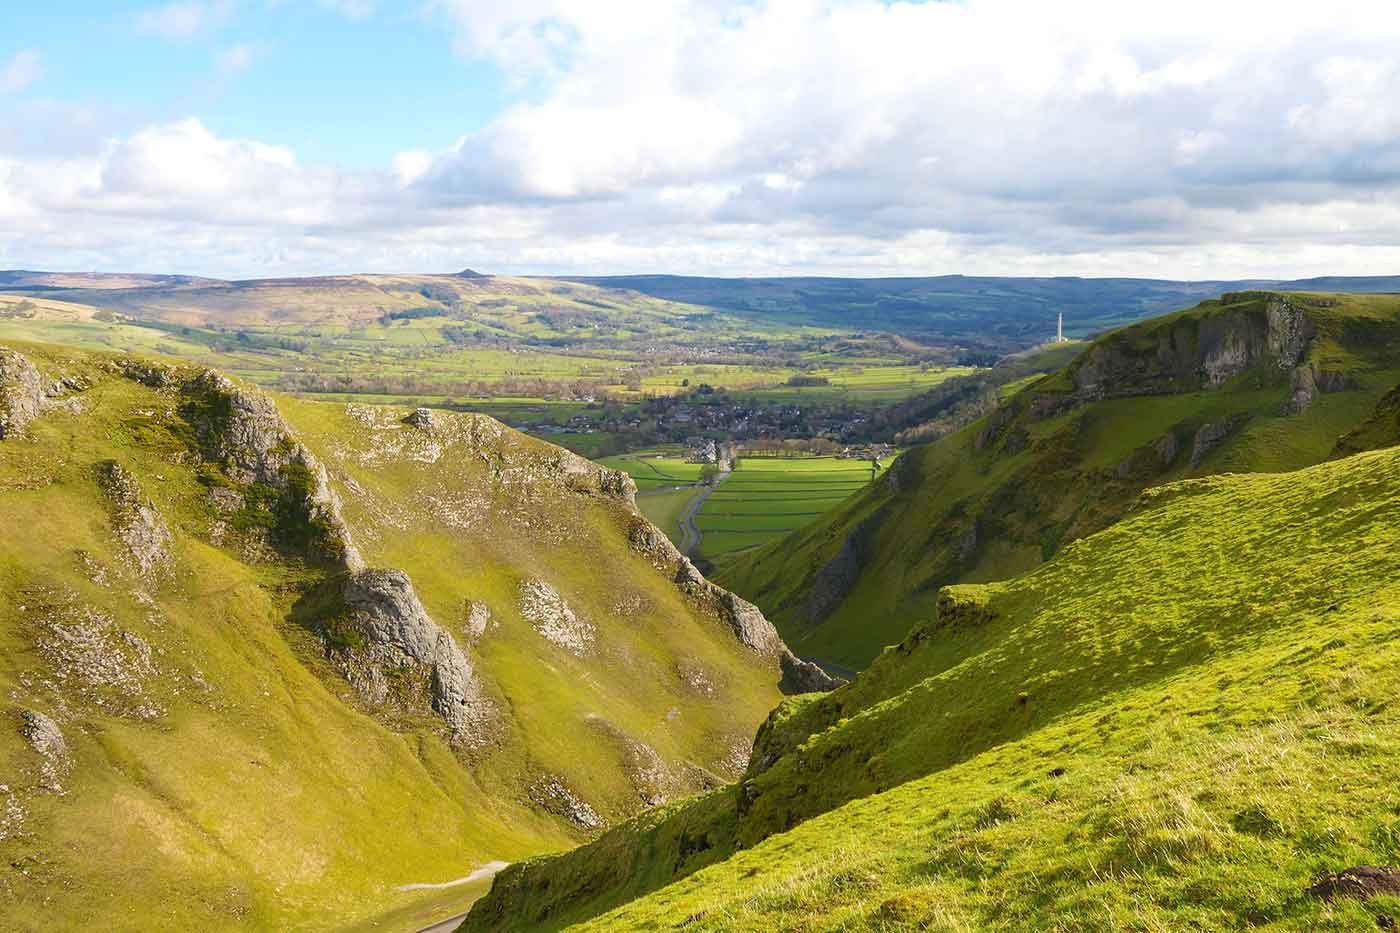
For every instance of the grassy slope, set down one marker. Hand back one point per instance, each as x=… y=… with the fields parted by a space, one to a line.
x=966 y=508
x=265 y=795
x=1180 y=722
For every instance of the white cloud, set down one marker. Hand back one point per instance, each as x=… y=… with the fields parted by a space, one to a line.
x=744 y=136
x=22 y=70
x=235 y=60
x=185 y=19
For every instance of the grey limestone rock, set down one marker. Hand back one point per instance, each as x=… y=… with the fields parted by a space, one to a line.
x=397 y=632
x=21 y=392
x=136 y=522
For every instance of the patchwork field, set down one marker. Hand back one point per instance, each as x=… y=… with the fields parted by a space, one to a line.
x=766 y=498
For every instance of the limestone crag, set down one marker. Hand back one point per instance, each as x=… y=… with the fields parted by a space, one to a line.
x=243 y=433
x=138 y=525
x=395 y=633
x=1206 y=351
x=21 y=392
x=745 y=619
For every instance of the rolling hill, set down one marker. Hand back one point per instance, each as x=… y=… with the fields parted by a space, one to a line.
x=1254 y=381
x=268 y=661
x=1183 y=721
x=992 y=313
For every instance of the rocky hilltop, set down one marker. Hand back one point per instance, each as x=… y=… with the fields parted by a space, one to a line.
x=1251 y=381
x=321 y=652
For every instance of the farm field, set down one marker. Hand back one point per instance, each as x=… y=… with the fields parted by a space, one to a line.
x=766 y=498
x=654 y=469
x=664 y=507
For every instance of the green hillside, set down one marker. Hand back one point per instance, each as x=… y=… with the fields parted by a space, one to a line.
x=1184 y=721
x=1255 y=381
x=267 y=661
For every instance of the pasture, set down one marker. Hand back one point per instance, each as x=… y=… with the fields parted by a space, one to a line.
x=766 y=498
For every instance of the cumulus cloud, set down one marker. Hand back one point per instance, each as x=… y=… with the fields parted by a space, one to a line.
x=744 y=136
x=185 y=19
x=22 y=70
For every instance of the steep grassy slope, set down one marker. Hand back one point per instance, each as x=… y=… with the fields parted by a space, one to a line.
x=1184 y=721
x=1256 y=381
x=236 y=701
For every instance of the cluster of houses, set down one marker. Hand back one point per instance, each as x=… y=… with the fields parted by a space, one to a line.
x=876 y=452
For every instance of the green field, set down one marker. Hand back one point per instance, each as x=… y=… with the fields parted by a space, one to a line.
x=655 y=469
x=766 y=498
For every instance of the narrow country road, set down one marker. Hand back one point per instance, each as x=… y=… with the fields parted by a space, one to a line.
x=690 y=535
x=488 y=870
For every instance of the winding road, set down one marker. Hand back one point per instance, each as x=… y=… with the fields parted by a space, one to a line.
x=451 y=923
x=690 y=534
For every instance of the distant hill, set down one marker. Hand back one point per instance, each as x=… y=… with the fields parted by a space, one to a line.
x=1185 y=721
x=1000 y=313
x=1259 y=381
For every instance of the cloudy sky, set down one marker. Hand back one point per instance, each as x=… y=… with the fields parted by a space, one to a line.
x=242 y=138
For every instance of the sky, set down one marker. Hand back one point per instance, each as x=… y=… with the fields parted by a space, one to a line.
x=249 y=138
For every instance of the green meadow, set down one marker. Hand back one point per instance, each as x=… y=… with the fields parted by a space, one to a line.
x=766 y=498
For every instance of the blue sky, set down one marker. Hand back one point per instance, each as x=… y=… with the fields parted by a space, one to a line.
x=868 y=137
x=353 y=89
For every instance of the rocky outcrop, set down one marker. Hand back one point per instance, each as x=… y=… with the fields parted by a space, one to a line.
x=554 y=796
x=834 y=580
x=801 y=676
x=1206 y=350
x=138 y=525
x=386 y=632
x=1212 y=435
x=550 y=616
x=242 y=432
x=21 y=392
x=1307 y=382
x=743 y=618
x=44 y=736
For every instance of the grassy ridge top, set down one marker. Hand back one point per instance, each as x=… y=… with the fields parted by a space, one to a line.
x=1182 y=721
x=1219 y=388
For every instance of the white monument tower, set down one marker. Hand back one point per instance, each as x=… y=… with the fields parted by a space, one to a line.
x=1060 y=330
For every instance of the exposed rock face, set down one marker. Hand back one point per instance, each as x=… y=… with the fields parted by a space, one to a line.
x=1205 y=351
x=21 y=393
x=137 y=523
x=1307 y=382
x=554 y=796
x=545 y=610
x=743 y=617
x=478 y=618
x=243 y=432
x=397 y=633
x=833 y=582
x=801 y=676
x=1212 y=435
x=94 y=662
x=46 y=738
